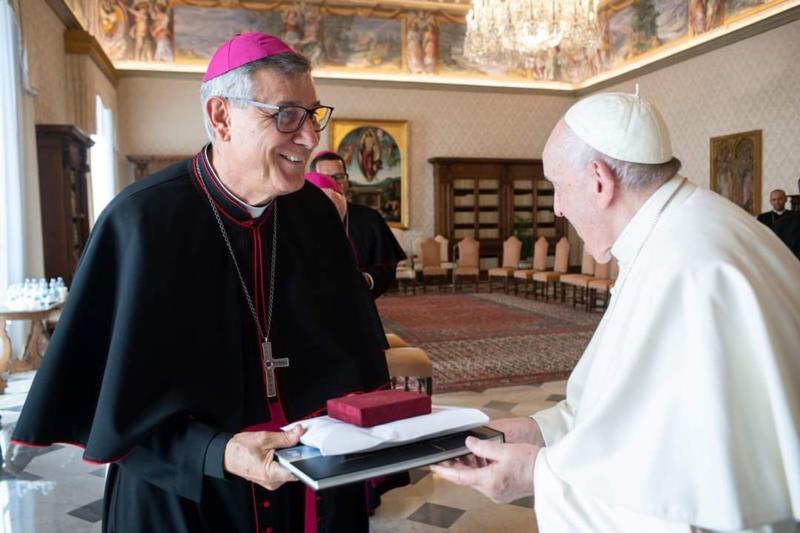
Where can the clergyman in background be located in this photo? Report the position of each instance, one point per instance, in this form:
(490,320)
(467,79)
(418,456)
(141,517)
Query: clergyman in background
(377,250)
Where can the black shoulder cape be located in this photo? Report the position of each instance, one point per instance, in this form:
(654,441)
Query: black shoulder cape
(156,332)
(377,249)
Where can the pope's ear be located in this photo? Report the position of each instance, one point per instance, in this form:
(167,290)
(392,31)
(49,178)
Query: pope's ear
(605,184)
(216,110)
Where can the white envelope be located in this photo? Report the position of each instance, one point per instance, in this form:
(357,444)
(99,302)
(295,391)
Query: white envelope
(334,437)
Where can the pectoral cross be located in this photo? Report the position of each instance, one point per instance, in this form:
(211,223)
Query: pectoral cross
(270,365)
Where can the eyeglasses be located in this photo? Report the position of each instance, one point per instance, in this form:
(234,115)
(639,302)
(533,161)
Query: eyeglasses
(341,176)
(290,118)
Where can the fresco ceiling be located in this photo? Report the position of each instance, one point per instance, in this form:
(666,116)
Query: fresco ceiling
(404,40)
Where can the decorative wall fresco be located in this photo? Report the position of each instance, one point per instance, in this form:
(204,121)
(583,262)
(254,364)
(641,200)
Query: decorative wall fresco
(390,39)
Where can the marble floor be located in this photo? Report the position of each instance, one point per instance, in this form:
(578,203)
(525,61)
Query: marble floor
(52,490)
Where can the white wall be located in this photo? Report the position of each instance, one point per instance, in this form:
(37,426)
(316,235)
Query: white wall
(749,85)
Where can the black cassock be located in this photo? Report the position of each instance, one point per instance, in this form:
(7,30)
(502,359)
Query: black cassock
(788,230)
(377,250)
(156,359)
(771,218)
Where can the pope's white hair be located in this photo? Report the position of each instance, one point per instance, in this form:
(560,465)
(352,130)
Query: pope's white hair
(238,83)
(635,176)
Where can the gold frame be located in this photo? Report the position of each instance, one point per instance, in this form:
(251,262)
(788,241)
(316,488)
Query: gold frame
(729,143)
(398,129)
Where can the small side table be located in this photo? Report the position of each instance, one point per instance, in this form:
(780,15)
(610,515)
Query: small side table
(35,345)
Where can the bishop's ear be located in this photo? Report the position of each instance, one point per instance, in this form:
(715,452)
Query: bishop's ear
(216,110)
(605,184)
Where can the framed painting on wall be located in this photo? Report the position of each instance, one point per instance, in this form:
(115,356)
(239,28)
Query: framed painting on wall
(736,169)
(376,158)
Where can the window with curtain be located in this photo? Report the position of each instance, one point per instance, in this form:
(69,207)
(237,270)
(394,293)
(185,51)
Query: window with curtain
(103,159)
(12,223)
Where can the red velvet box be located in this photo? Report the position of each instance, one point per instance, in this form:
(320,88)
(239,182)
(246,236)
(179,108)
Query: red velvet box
(379,407)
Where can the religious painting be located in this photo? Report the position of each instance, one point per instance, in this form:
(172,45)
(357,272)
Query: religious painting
(642,25)
(705,15)
(376,158)
(736,169)
(738,7)
(363,43)
(422,43)
(302,30)
(110,28)
(451,49)
(132,30)
(452,61)
(199,31)
(398,38)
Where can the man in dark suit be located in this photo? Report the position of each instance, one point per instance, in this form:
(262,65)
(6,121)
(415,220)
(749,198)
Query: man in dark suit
(777,199)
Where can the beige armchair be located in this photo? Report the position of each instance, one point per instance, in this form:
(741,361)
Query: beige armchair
(600,287)
(405,276)
(580,281)
(544,279)
(407,362)
(468,262)
(432,263)
(444,252)
(395,341)
(539,265)
(512,248)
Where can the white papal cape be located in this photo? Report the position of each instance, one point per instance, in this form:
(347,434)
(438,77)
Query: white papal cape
(684,410)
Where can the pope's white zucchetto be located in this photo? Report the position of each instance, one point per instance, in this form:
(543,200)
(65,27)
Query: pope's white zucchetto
(622,126)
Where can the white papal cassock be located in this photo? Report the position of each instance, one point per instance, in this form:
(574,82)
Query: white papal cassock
(684,410)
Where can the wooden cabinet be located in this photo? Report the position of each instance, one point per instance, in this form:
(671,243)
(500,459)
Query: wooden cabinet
(492,199)
(63,154)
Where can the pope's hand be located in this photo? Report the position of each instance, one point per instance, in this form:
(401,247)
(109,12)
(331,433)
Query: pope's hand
(503,472)
(522,430)
(251,456)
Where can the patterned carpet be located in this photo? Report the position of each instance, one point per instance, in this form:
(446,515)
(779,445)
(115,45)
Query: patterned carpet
(477,341)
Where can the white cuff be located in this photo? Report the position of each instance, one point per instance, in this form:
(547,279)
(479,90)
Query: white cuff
(369,280)
(554,422)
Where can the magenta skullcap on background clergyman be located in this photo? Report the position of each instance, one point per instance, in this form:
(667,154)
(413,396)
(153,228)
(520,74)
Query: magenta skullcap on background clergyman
(323,181)
(243,49)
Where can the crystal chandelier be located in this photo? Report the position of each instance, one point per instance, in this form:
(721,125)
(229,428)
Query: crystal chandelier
(512,33)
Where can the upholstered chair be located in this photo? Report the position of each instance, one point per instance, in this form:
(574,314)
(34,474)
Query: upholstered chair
(407,362)
(560,266)
(395,341)
(539,265)
(468,264)
(512,248)
(580,281)
(444,252)
(600,286)
(432,263)
(406,276)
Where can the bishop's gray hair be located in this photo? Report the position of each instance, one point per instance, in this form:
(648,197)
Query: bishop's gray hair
(238,83)
(634,176)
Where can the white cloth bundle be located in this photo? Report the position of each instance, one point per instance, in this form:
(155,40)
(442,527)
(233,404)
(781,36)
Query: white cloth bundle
(334,437)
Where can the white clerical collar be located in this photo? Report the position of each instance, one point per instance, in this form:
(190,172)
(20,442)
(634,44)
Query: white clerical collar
(638,228)
(254,210)
(779,213)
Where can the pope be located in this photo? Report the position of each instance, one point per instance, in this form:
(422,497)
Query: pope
(683,414)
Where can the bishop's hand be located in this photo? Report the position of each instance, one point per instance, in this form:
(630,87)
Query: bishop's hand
(251,455)
(503,472)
